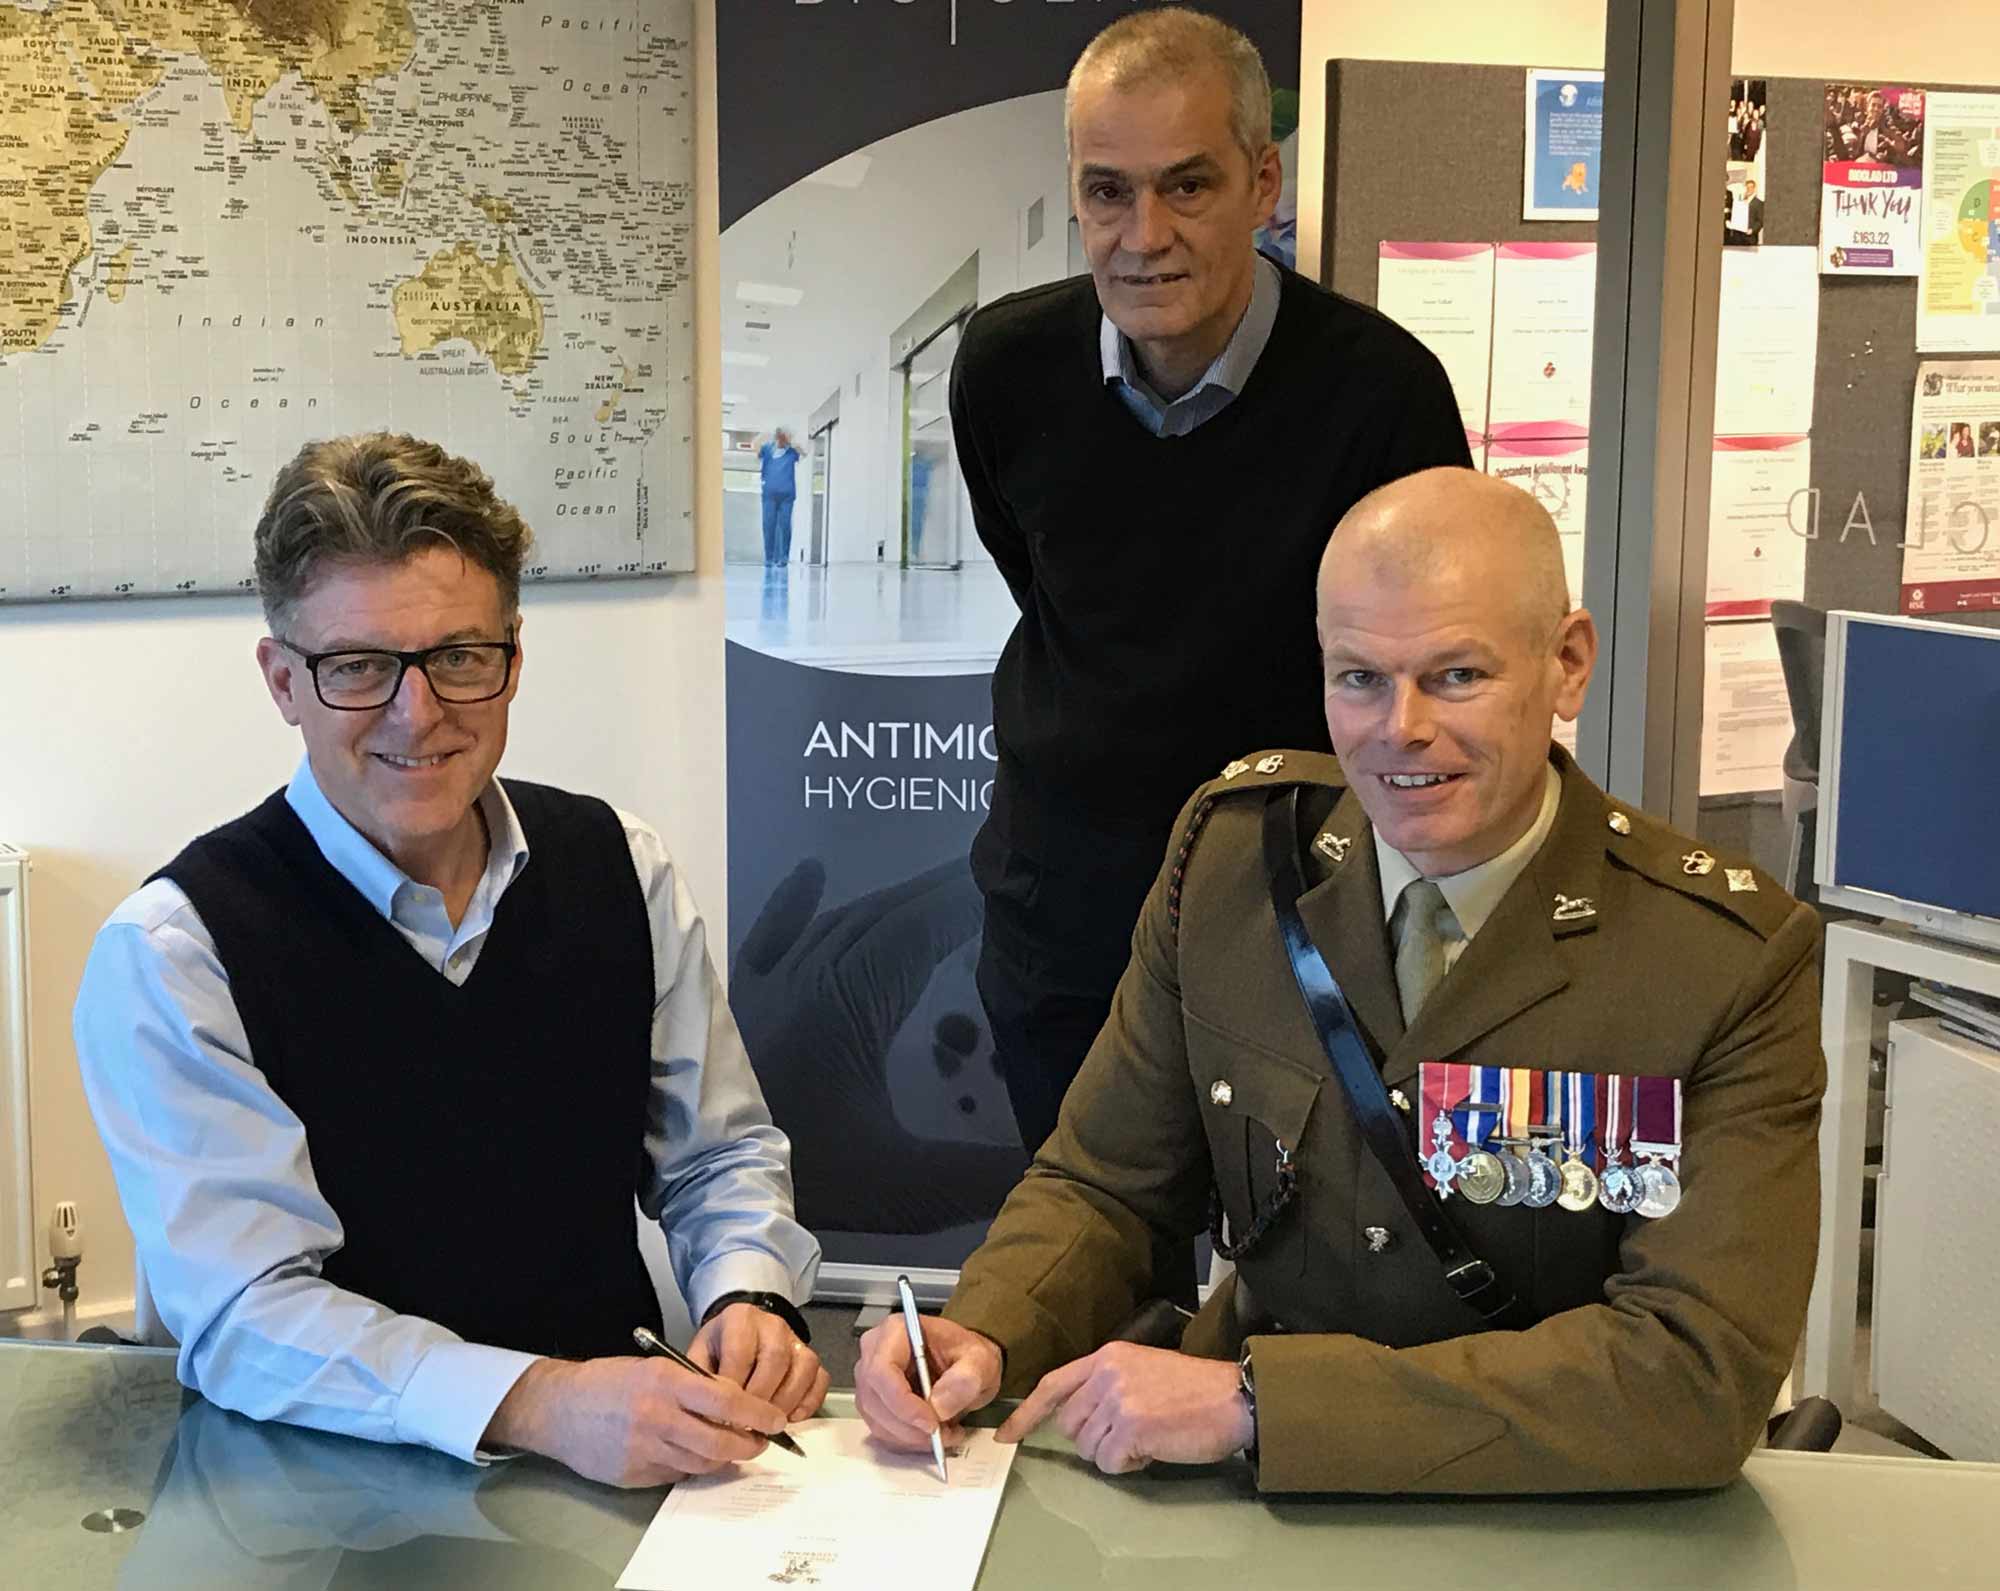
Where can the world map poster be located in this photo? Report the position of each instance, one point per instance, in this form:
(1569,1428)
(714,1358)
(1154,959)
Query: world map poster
(230,228)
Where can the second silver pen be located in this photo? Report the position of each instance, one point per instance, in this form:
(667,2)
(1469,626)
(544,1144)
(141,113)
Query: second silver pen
(913,1324)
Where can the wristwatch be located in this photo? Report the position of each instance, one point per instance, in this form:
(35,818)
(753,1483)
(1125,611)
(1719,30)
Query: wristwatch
(771,1303)
(1246,1383)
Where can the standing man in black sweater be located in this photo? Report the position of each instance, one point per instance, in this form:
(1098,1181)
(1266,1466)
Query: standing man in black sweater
(1155,455)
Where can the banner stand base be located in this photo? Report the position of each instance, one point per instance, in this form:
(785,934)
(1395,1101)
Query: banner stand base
(876,1284)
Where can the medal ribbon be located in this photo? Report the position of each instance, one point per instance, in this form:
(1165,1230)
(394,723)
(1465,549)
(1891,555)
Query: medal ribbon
(1434,1087)
(1520,1098)
(1656,1116)
(1481,1097)
(1580,1118)
(1617,1117)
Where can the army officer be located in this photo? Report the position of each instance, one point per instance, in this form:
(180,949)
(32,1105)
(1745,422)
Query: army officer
(1486,906)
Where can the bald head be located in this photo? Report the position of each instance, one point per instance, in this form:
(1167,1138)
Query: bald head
(1449,647)
(1454,529)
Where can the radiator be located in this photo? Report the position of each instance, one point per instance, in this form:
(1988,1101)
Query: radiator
(18,1276)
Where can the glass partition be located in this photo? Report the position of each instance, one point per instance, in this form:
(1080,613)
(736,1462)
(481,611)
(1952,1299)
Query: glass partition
(1857,416)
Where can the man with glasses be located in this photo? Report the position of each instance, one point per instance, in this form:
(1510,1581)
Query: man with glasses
(382,1065)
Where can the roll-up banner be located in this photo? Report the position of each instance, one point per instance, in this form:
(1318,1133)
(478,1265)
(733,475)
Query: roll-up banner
(887,166)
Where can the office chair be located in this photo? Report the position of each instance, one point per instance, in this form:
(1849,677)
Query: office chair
(1810,1426)
(1800,632)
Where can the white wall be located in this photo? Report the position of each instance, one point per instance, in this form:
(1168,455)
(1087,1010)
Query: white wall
(129,728)
(1946,41)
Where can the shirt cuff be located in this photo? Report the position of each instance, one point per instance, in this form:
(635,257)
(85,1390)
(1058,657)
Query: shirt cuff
(450,1397)
(744,1271)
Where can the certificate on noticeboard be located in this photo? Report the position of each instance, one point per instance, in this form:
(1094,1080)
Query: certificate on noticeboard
(1565,145)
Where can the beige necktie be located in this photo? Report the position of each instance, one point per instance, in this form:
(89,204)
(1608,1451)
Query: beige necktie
(1424,924)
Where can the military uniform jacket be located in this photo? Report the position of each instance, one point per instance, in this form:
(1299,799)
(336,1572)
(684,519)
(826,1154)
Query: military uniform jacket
(1656,1346)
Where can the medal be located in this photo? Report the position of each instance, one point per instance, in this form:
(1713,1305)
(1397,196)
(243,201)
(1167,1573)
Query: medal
(1515,1171)
(1618,1187)
(1439,1162)
(1656,1139)
(1660,1190)
(1545,1180)
(1579,1182)
(1481,1176)
(1440,1165)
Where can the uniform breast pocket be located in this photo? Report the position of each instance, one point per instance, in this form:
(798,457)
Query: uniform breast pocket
(1257,1109)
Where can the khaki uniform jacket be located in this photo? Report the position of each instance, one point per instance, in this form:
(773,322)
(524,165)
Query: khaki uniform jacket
(1658,1345)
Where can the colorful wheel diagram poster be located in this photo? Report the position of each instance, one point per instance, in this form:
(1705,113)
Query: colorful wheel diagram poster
(1958,305)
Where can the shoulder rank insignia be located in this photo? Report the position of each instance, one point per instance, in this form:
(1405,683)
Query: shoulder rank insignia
(1697,864)
(1332,847)
(1270,764)
(1741,880)
(1574,908)
(1234,769)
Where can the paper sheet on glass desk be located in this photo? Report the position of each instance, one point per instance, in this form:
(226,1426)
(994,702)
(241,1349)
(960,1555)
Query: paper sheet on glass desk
(850,1514)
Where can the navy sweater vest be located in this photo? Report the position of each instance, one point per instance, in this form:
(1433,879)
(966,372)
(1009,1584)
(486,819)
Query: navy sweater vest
(481,1145)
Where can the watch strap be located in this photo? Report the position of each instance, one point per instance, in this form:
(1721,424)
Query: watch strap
(771,1303)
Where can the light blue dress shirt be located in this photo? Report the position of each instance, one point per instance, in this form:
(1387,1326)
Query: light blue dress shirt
(231,1228)
(1221,383)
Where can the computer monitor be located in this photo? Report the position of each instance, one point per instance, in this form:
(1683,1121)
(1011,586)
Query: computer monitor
(1909,825)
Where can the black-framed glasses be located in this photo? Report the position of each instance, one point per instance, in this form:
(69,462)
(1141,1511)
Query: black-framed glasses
(460,673)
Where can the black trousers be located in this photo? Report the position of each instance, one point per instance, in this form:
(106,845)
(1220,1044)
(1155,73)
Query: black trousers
(1057,939)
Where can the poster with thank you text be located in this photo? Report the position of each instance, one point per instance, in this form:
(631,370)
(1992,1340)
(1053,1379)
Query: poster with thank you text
(886,169)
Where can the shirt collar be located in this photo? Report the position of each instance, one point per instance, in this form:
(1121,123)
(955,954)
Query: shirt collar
(1475,893)
(1230,369)
(354,857)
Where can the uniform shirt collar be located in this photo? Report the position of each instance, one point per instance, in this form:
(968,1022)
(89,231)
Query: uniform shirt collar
(1230,369)
(1474,893)
(354,857)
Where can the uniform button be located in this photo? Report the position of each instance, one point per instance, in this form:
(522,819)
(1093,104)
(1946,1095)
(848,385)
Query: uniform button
(1620,824)
(1219,1092)
(1380,1239)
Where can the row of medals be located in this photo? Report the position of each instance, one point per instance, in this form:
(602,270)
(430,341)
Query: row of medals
(1528,1174)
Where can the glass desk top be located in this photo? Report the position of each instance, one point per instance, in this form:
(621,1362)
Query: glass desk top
(231,1503)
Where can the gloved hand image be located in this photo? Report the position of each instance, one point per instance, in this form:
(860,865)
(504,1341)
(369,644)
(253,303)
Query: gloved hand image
(823,999)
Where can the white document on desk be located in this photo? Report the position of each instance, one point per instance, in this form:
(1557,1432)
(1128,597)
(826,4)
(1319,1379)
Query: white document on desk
(850,1514)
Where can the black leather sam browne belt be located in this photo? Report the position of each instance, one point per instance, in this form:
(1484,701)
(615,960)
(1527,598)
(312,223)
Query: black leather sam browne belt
(1470,1277)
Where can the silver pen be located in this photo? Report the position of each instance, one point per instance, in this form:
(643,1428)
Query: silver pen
(912,1325)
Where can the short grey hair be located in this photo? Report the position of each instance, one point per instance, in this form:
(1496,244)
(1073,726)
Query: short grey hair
(1167,43)
(380,498)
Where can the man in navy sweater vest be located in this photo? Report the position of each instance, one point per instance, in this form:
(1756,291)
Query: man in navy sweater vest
(1155,454)
(383,1065)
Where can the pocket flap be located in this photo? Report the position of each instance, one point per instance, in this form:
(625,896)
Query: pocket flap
(1234,1077)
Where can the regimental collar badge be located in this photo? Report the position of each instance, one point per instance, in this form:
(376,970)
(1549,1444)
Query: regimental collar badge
(1333,847)
(1574,908)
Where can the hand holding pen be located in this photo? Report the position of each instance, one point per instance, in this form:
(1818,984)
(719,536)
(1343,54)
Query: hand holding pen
(666,1350)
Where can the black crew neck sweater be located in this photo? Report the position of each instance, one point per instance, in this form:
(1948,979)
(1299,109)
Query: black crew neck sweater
(1166,584)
